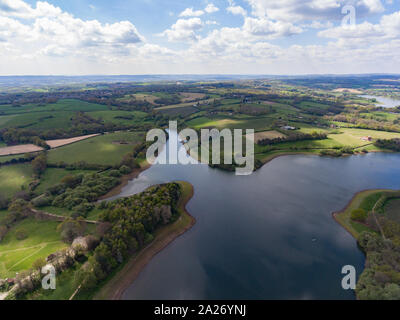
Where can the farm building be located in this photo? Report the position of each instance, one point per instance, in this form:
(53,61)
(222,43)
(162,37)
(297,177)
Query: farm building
(369,138)
(288,128)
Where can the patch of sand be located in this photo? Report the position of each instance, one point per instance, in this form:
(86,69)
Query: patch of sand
(189,96)
(348,90)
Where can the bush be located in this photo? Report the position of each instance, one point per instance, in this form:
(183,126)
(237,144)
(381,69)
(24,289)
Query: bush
(125,170)
(42,201)
(21,234)
(114,173)
(359,215)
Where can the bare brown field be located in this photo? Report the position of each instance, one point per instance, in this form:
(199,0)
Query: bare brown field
(146,97)
(20,149)
(188,96)
(269,103)
(268,135)
(63,142)
(348,90)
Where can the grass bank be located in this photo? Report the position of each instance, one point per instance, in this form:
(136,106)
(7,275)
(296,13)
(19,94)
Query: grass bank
(343,217)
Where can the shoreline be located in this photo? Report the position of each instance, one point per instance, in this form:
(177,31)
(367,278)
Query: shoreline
(124,278)
(124,182)
(342,216)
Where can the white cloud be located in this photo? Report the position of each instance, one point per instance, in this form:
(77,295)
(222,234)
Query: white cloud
(265,27)
(211,8)
(388,27)
(189,12)
(236,10)
(211,22)
(183,30)
(303,10)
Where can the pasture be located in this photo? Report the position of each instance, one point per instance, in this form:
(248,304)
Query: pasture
(107,149)
(272,134)
(14,177)
(18,255)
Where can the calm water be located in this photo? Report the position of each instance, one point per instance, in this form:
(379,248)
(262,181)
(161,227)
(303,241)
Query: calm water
(384,101)
(254,235)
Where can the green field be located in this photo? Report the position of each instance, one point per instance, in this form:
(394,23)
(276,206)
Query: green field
(120,117)
(18,255)
(53,176)
(14,177)
(105,149)
(49,116)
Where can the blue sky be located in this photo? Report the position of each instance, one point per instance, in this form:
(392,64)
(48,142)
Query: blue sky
(206,36)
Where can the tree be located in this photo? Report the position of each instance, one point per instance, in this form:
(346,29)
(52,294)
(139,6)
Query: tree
(359,215)
(39,264)
(39,164)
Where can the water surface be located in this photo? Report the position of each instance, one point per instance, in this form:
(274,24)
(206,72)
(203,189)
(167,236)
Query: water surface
(384,101)
(269,235)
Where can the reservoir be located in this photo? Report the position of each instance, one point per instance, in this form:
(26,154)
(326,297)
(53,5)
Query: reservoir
(269,235)
(384,101)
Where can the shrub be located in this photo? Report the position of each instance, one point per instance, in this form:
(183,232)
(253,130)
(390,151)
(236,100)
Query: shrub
(359,215)
(125,169)
(21,234)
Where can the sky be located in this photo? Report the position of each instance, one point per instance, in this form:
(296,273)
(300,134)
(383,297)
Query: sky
(285,37)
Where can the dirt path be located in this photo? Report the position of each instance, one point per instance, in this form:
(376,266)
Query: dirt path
(55,217)
(376,219)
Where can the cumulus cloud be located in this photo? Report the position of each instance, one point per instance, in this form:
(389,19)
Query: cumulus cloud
(189,12)
(236,10)
(211,8)
(183,30)
(388,27)
(265,27)
(47,30)
(302,10)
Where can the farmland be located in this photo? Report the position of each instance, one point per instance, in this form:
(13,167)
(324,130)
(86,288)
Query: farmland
(88,143)
(14,178)
(18,255)
(107,149)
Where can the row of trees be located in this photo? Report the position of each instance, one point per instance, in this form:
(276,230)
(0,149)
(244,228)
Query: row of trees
(133,221)
(298,136)
(391,144)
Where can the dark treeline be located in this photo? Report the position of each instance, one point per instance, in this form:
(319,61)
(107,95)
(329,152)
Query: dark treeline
(392,144)
(134,221)
(108,96)
(298,136)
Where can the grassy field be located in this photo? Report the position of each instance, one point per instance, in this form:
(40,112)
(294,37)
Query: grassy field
(49,116)
(118,116)
(14,177)
(18,255)
(106,149)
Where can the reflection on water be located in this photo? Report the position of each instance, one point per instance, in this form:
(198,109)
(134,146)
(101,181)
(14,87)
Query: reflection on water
(269,235)
(384,101)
